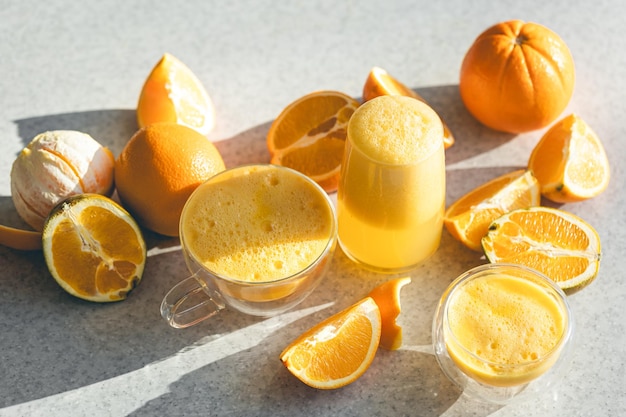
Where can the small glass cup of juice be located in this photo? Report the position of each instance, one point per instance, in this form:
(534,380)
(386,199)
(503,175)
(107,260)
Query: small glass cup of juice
(256,238)
(502,332)
(391,195)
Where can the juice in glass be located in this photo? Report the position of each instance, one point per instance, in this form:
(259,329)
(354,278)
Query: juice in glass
(257,238)
(257,223)
(503,327)
(391,195)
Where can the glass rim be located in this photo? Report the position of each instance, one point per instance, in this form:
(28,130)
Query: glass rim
(554,289)
(331,241)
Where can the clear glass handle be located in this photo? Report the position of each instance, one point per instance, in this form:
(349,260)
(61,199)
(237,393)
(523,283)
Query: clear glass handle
(189,302)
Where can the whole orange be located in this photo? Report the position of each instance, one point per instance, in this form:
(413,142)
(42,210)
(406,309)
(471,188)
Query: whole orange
(159,168)
(517,77)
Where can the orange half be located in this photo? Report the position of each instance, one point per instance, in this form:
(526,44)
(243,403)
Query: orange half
(309,136)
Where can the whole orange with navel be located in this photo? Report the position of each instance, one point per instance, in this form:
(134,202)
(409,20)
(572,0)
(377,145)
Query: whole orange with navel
(517,76)
(159,168)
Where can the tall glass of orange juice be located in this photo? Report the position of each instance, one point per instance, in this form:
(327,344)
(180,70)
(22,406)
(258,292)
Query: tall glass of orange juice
(391,195)
(502,332)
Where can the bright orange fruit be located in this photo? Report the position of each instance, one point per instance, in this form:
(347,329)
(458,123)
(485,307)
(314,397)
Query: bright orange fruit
(387,296)
(309,136)
(570,162)
(517,77)
(379,82)
(337,351)
(159,168)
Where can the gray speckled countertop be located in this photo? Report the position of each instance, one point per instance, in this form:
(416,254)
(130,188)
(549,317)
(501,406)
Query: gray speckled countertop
(81,65)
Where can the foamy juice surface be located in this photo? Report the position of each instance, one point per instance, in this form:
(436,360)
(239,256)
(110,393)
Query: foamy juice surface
(257,223)
(503,330)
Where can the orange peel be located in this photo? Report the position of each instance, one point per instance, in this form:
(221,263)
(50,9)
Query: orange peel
(387,297)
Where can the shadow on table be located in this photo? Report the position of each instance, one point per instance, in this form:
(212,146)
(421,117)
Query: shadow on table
(111,128)
(401,382)
(54,343)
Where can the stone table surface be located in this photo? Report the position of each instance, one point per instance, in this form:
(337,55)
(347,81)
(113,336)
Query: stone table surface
(81,65)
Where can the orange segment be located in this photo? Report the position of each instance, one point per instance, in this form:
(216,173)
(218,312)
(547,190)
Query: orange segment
(387,297)
(172,93)
(468,218)
(570,162)
(559,244)
(379,83)
(337,351)
(93,248)
(309,135)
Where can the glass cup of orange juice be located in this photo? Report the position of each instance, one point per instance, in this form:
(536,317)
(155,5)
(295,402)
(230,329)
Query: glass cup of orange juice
(503,332)
(391,193)
(257,238)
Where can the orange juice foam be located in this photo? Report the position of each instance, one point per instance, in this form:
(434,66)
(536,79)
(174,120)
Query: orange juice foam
(391,196)
(258,223)
(504,329)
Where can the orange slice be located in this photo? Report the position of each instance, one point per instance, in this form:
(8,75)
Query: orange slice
(387,297)
(557,243)
(309,136)
(93,248)
(468,218)
(172,93)
(19,239)
(337,351)
(379,82)
(570,162)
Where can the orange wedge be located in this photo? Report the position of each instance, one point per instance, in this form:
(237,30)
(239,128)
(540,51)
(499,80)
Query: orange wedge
(172,93)
(337,351)
(379,82)
(93,248)
(387,297)
(570,162)
(557,243)
(468,218)
(309,136)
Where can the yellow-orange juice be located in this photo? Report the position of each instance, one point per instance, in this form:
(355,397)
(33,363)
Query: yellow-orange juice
(504,330)
(391,194)
(257,223)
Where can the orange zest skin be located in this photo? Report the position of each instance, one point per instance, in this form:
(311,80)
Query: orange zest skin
(517,77)
(159,168)
(20,239)
(387,296)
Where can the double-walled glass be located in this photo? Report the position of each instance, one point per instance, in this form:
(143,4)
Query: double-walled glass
(257,238)
(503,332)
